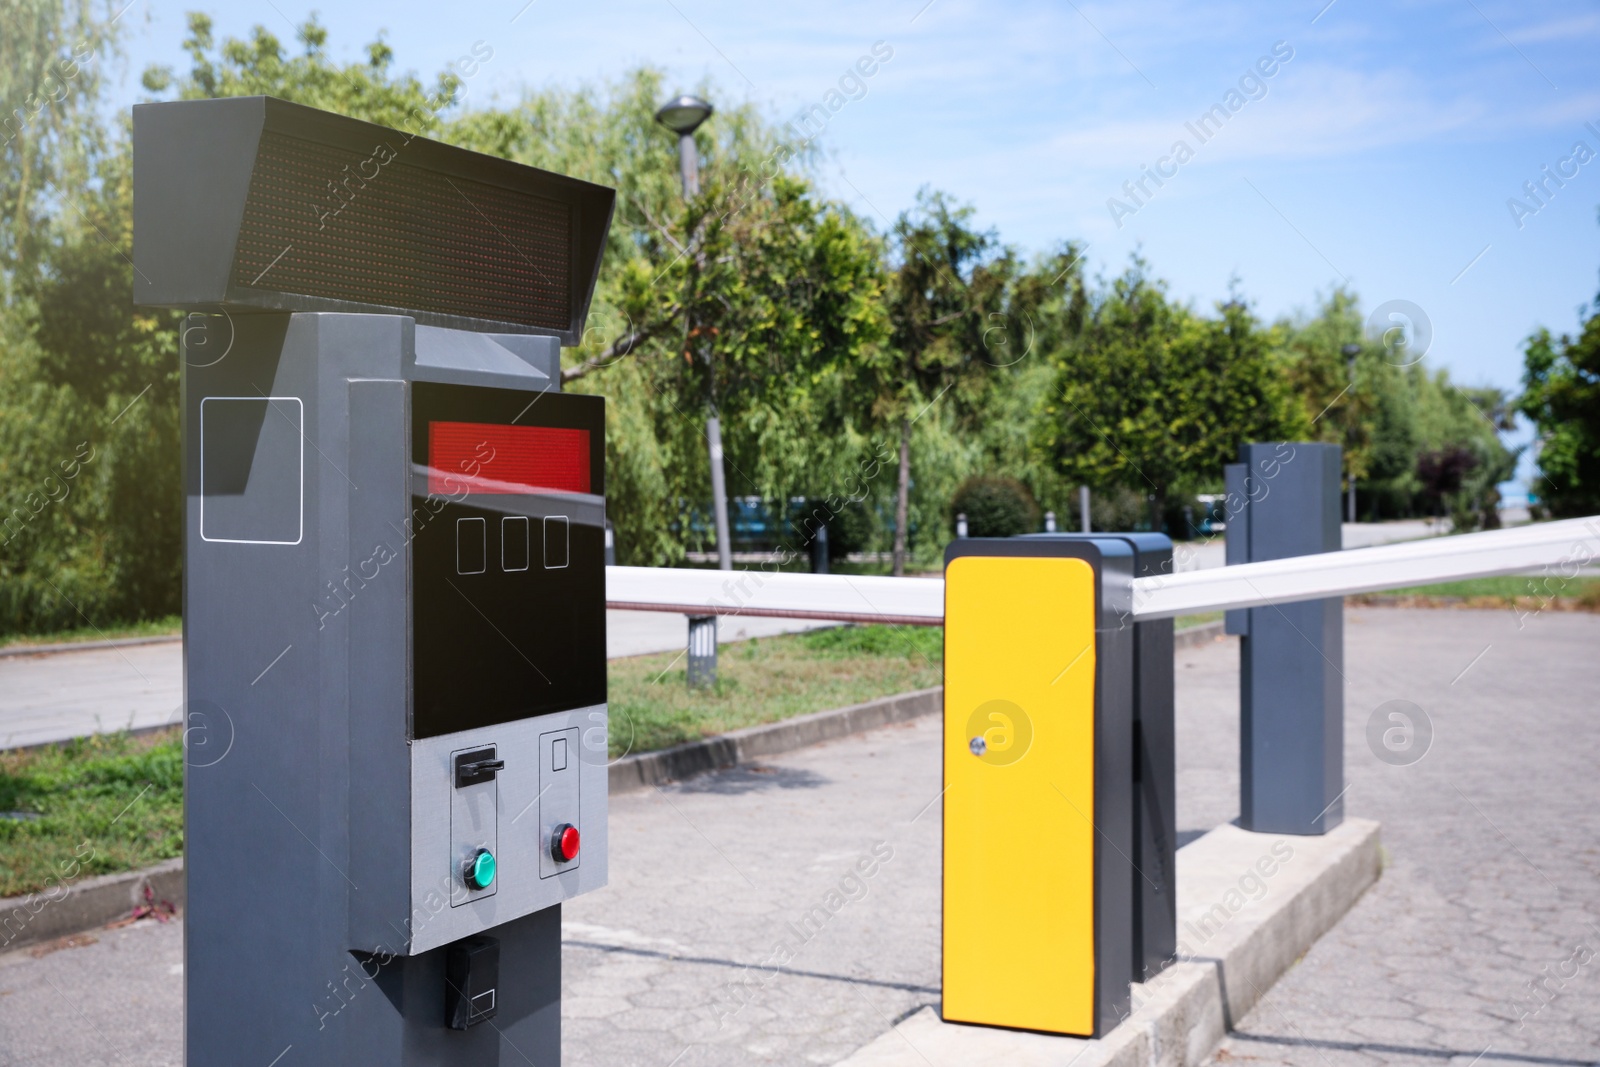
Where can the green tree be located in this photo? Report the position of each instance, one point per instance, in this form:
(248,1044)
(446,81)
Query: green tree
(1414,441)
(1561,396)
(1346,399)
(1390,482)
(119,366)
(261,67)
(1153,397)
(996,507)
(945,282)
(1470,421)
(77,422)
(755,297)
(52,54)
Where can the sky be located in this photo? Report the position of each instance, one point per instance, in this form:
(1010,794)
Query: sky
(1374,145)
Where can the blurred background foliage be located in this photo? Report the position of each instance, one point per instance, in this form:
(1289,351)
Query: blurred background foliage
(864,369)
(995,507)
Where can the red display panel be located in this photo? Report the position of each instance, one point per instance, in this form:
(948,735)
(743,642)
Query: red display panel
(485,457)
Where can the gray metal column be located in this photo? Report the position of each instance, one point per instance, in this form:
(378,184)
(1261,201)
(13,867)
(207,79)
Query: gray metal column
(1283,500)
(719,495)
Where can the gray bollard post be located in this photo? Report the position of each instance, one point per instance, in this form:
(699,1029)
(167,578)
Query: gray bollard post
(702,669)
(1283,500)
(819,550)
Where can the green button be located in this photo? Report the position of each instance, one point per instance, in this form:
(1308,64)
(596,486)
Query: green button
(480,871)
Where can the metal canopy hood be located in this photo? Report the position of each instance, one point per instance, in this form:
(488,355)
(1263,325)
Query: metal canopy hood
(254,203)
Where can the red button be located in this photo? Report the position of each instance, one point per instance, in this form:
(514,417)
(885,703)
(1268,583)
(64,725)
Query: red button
(565,843)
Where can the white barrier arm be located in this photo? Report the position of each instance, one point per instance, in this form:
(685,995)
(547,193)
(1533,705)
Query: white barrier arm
(845,597)
(1565,545)
(1561,546)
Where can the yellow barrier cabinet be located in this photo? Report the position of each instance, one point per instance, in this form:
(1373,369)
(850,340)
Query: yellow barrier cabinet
(1038,756)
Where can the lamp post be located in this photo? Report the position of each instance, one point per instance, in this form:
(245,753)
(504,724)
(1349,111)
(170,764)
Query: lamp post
(683,115)
(1350,351)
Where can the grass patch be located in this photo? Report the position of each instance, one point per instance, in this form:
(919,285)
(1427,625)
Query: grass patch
(766,680)
(1508,586)
(169,625)
(1188,622)
(1536,592)
(91,806)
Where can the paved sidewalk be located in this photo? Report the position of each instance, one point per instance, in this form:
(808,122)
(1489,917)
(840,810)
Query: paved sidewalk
(1482,939)
(664,967)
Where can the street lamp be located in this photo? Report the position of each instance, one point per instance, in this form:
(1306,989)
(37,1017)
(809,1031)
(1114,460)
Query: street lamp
(1351,351)
(683,116)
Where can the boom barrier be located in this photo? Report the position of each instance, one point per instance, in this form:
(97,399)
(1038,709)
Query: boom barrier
(1560,548)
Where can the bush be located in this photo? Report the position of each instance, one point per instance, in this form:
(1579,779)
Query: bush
(853,529)
(996,507)
(852,525)
(1118,510)
(1183,525)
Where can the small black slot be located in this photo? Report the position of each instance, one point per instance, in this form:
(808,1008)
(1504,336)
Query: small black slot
(479,765)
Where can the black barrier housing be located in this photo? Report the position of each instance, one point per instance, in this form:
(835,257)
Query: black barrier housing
(1155,831)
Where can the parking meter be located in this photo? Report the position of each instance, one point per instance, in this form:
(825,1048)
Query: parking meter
(394,608)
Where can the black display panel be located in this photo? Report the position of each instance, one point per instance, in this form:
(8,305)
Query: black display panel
(253,202)
(366,225)
(507,555)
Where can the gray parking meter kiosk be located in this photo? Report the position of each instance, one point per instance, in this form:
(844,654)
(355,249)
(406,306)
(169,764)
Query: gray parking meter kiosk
(394,598)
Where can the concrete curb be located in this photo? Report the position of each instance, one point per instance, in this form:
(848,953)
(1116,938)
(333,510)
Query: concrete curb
(1239,930)
(1194,636)
(647,769)
(135,731)
(93,902)
(88,646)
